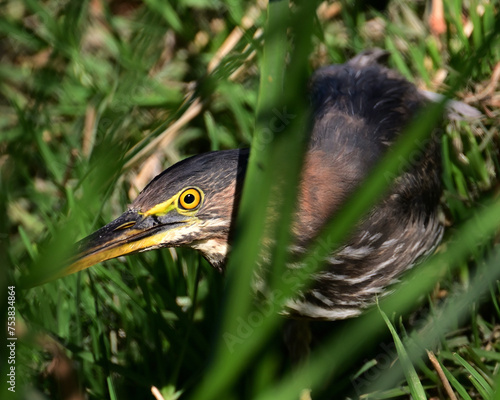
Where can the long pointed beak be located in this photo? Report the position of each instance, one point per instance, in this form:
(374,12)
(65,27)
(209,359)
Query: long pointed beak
(130,233)
(125,235)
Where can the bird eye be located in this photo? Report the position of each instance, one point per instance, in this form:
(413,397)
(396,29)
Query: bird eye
(190,199)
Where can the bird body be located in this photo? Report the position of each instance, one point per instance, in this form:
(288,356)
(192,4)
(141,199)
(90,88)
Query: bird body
(358,110)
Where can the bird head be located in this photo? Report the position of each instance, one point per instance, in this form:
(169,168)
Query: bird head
(190,204)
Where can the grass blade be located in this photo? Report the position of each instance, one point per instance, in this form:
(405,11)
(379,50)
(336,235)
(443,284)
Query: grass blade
(416,389)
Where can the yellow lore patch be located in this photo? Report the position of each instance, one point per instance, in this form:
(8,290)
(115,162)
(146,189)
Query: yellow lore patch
(186,202)
(162,208)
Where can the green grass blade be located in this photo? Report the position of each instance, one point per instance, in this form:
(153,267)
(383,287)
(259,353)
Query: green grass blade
(476,378)
(416,389)
(455,383)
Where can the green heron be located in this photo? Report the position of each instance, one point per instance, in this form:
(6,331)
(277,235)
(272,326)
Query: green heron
(358,109)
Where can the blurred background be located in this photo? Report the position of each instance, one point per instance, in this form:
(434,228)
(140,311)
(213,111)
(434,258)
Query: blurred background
(98,97)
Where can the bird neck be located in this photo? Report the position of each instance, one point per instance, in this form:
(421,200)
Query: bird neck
(214,250)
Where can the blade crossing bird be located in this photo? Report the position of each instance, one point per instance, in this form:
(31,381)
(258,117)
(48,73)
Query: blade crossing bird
(359,108)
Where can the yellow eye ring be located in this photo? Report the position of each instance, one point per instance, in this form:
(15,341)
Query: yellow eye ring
(190,199)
